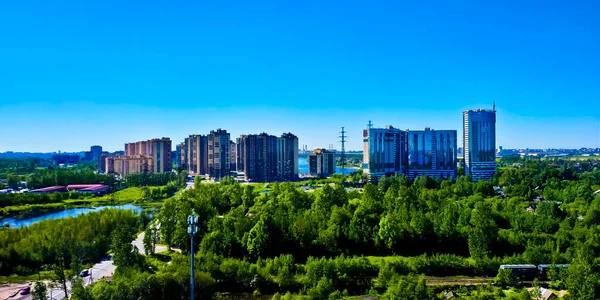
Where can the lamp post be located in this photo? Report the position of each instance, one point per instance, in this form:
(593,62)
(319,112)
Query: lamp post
(192,229)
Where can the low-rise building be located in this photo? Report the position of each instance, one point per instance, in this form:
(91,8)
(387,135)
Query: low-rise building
(49,190)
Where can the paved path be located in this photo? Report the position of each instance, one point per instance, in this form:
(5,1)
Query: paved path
(139,243)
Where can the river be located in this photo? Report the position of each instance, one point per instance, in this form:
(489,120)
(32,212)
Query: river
(18,223)
(303,166)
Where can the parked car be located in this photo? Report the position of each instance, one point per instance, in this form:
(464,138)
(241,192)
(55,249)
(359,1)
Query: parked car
(84,273)
(25,291)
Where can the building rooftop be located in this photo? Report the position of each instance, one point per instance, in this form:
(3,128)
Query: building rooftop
(480,110)
(50,189)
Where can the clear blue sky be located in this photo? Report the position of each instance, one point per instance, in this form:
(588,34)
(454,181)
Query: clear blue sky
(78,73)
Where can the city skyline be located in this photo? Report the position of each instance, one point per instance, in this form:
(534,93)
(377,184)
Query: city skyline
(103,73)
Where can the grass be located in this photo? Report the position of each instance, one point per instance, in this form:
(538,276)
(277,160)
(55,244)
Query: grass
(130,194)
(43,275)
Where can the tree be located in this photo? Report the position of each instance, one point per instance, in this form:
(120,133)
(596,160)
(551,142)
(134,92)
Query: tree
(322,290)
(505,278)
(124,253)
(78,291)
(12,181)
(168,222)
(582,281)
(258,238)
(408,288)
(39,291)
(150,240)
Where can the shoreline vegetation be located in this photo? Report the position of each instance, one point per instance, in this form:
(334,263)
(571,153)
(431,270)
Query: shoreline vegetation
(133,195)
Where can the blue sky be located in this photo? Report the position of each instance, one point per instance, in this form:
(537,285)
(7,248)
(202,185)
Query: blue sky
(78,73)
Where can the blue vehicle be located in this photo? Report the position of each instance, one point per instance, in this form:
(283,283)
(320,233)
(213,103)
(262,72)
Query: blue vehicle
(529,272)
(543,269)
(84,273)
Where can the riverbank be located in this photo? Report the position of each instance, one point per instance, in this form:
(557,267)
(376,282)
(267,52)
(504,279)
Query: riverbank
(125,196)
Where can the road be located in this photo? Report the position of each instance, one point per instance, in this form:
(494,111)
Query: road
(139,243)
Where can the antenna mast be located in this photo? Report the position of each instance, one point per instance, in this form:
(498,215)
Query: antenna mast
(343,156)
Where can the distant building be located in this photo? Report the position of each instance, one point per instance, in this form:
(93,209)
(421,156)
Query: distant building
(239,159)
(102,163)
(384,152)
(87,156)
(182,155)
(161,155)
(432,153)
(196,154)
(126,165)
(63,158)
(154,155)
(233,156)
(321,163)
(95,151)
(479,143)
(287,150)
(218,154)
(259,157)
(178,149)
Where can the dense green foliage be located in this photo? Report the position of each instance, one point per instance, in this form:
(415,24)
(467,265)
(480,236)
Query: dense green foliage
(335,241)
(84,239)
(64,176)
(465,228)
(144,179)
(17,166)
(25,199)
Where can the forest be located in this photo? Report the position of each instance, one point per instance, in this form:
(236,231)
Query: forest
(386,240)
(390,238)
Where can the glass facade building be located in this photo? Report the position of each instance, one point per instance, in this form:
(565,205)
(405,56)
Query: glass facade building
(479,143)
(384,152)
(432,153)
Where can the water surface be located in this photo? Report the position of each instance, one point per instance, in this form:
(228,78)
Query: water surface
(73,212)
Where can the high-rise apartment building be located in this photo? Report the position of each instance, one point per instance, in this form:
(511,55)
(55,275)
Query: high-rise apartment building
(432,153)
(102,163)
(233,156)
(259,157)
(160,153)
(218,154)
(321,163)
(239,159)
(126,165)
(385,152)
(178,149)
(479,143)
(288,156)
(196,154)
(140,157)
(182,155)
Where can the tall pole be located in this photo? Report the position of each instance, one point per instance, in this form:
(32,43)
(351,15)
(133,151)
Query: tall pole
(343,156)
(192,276)
(192,229)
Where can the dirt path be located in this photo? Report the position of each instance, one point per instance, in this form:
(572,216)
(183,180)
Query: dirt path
(457,280)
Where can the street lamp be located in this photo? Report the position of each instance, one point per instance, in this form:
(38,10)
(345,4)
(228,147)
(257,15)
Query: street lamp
(192,229)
